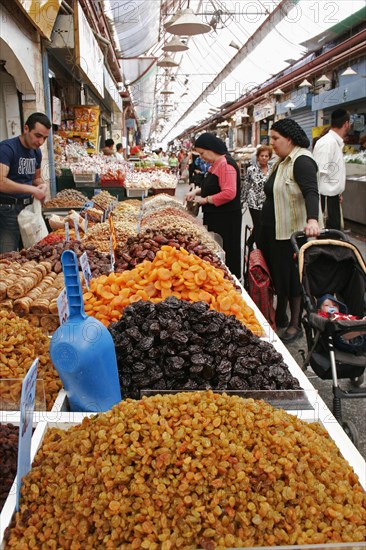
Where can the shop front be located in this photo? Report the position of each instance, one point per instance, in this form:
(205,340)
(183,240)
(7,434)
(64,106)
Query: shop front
(263,115)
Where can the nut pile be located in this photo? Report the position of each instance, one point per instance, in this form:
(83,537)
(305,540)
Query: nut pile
(99,235)
(67,199)
(160,201)
(20,344)
(104,199)
(173,272)
(145,246)
(191,470)
(8,459)
(175,345)
(187,226)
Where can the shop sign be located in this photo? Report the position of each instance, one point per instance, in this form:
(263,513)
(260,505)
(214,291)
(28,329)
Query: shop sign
(42,13)
(263,110)
(88,54)
(112,90)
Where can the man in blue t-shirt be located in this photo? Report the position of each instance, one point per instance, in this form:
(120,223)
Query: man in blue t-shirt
(20,177)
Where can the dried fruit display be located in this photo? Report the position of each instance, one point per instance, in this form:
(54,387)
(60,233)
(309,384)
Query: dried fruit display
(191,470)
(99,262)
(173,272)
(184,225)
(67,199)
(176,345)
(8,459)
(20,344)
(99,235)
(145,246)
(104,199)
(160,201)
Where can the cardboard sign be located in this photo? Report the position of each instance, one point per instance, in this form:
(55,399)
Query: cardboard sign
(63,306)
(67,231)
(25,428)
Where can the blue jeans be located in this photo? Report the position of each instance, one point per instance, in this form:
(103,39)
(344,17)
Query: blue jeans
(9,228)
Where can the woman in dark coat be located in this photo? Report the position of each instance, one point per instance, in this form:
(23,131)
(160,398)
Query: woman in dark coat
(292,204)
(220,197)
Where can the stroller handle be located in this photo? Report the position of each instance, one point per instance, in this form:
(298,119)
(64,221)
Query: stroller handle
(329,233)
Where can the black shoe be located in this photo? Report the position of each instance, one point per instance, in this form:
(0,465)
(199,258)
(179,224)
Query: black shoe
(288,337)
(282,322)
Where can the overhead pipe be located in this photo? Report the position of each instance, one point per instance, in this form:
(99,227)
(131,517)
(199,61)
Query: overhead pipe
(354,46)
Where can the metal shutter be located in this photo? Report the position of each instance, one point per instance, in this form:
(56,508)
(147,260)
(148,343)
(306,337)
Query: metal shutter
(306,119)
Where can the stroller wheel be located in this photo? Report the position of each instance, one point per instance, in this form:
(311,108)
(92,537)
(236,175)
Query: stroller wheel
(357,382)
(351,430)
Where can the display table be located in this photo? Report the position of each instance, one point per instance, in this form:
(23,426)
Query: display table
(354,199)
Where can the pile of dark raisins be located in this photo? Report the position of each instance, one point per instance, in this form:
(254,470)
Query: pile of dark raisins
(177,345)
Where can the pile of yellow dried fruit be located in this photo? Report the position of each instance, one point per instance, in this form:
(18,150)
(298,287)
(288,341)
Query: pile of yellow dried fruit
(173,272)
(191,470)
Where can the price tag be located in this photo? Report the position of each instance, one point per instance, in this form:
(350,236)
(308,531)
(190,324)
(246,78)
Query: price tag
(111,251)
(25,428)
(62,306)
(85,267)
(87,205)
(86,223)
(67,231)
(112,231)
(76,226)
(97,191)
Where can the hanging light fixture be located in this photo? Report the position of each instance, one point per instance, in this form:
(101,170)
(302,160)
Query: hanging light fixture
(349,71)
(244,113)
(278,92)
(172,20)
(188,24)
(323,79)
(290,105)
(175,45)
(304,83)
(166,92)
(167,61)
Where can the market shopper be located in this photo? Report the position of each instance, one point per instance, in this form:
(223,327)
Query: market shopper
(328,153)
(254,180)
(20,177)
(119,152)
(220,197)
(292,204)
(108,148)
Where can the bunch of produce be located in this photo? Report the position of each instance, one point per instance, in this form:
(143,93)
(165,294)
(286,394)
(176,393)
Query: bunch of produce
(137,180)
(176,345)
(173,272)
(115,170)
(8,459)
(104,199)
(67,198)
(161,201)
(20,344)
(99,235)
(191,470)
(162,180)
(145,246)
(99,262)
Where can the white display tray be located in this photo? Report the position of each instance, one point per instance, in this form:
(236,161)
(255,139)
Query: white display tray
(66,420)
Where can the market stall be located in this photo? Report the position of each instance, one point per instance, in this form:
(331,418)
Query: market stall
(180,321)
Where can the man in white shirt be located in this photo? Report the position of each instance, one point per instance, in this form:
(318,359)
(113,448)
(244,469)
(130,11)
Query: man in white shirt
(119,152)
(328,153)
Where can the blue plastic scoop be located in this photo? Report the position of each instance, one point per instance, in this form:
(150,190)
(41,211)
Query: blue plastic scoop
(83,352)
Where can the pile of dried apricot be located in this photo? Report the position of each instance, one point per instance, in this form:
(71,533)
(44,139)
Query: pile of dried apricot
(173,272)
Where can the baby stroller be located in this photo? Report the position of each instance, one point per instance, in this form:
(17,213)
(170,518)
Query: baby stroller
(331,264)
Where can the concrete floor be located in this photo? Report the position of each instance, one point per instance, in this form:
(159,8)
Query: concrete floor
(354,410)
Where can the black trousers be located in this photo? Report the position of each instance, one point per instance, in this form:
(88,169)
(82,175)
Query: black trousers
(332,206)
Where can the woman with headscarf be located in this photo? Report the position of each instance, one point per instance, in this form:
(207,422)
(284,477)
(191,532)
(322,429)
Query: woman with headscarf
(291,204)
(220,197)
